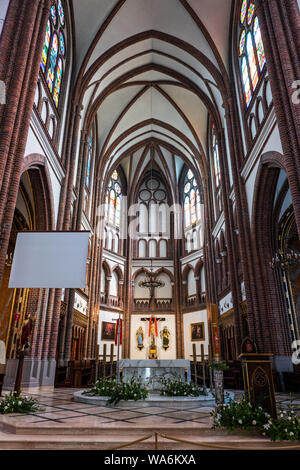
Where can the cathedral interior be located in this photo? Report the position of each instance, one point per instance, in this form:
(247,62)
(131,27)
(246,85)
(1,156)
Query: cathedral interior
(169,130)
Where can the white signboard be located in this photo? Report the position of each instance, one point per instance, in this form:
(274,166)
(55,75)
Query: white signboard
(50,260)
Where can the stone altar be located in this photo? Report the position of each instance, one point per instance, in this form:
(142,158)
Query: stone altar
(150,370)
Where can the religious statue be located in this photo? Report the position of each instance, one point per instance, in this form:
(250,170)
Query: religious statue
(153,334)
(26,332)
(165,335)
(140,338)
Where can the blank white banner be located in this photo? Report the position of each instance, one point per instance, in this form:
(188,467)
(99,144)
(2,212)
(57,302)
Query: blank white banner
(50,260)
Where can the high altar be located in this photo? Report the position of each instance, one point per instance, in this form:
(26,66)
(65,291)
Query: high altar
(150,370)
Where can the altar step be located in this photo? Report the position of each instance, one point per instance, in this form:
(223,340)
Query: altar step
(79,437)
(109,442)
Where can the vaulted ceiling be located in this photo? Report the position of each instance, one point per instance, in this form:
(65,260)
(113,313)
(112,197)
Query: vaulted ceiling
(152,70)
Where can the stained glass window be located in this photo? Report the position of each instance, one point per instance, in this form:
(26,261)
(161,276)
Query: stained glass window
(259,44)
(54,50)
(246,81)
(53,14)
(113,200)
(244,10)
(61,12)
(251,50)
(89,162)
(52,62)
(46,46)
(192,201)
(250,13)
(242,42)
(62,48)
(216,157)
(252,61)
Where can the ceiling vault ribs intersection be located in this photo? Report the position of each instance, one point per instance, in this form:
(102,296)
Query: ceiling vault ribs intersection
(152,73)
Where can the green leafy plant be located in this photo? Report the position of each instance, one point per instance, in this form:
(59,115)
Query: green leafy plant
(243,415)
(131,390)
(14,402)
(219,366)
(177,387)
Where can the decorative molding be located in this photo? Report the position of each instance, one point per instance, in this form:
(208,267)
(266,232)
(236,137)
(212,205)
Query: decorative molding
(218,225)
(259,144)
(47,147)
(194,256)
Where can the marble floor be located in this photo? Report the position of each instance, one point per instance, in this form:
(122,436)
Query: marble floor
(57,406)
(62,423)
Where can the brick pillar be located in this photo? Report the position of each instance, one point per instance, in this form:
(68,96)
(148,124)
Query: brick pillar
(280,27)
(20,52)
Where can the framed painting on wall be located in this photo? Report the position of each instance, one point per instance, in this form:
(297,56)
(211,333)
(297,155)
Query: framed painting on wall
(108,331)
(197,332)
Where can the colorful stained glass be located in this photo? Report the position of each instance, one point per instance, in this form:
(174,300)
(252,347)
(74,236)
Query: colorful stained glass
(88,167)
(62,48)
(115,175)
(198,203)
(259,44)
(187,187)
(246,82)
(217,171)
(187,215)
(191,200)
(61,12)
(242,42)
(46,47)
(118,212)
(58,79)
(52,62)
(190,174)
(112,206)
(252,61)
(250,13)
(193,206)
(244,10)
(53,14)
(113,200)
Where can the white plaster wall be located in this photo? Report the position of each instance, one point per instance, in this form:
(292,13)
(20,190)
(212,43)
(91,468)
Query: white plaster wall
(164,292)
(136,322)
(102,282)
(80,303)
(192,288)
(188,319)
(108,317)
(114,284)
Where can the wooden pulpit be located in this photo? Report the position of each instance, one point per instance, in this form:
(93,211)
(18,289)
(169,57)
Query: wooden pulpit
(258,380)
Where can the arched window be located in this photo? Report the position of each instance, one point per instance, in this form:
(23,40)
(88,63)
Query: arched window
(216,157)
(191,200)
(89,163)
(251,50)
(113,200)
(54,50)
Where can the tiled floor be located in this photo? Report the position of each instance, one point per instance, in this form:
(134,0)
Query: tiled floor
(57,406)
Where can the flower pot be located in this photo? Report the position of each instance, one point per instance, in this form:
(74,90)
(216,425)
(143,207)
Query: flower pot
(219,386)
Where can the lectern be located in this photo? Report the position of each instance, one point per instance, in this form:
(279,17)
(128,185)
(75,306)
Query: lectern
(258,380)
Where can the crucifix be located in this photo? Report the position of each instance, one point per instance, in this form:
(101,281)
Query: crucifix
(153,333)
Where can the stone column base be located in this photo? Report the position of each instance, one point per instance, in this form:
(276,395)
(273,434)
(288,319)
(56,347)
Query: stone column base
(37,373)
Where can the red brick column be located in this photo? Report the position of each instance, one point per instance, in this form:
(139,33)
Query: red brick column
(280,28)
(20,52)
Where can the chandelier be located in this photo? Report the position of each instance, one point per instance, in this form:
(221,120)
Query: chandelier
(284,260)
(150,282)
